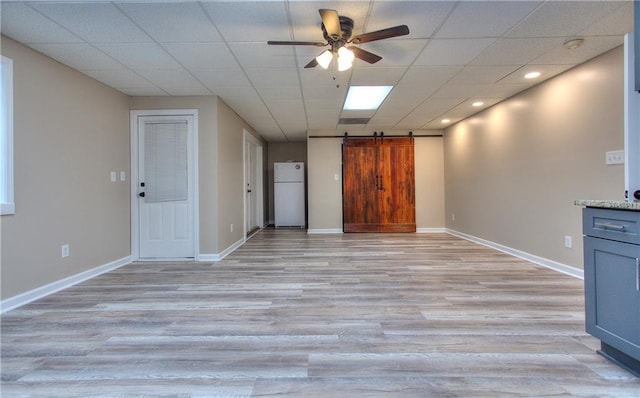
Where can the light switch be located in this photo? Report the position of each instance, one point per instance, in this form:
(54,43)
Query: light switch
(336,177)
(123,176)
(113,176)
(615,157)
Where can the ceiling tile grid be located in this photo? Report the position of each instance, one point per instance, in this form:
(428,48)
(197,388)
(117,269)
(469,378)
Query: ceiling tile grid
(456,51)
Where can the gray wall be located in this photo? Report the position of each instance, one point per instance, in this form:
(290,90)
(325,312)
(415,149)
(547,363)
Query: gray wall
(513,171)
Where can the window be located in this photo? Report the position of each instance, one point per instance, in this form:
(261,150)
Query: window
(6,137)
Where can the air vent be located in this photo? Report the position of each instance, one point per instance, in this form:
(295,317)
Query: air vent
(354,120)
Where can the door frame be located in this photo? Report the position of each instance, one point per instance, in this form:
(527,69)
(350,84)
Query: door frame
(249,138)
(133,176)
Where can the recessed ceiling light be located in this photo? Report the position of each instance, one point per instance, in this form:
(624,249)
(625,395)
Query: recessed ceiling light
(532,75)
(445,120)
(478,103)
(366,97)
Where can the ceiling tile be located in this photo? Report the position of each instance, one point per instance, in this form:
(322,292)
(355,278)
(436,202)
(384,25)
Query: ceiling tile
(249,21)
(483,74)
(140,55)
(172,22)
(373,76)
(484,18)
(591,47)
(273,77)
(216,78)
(175,82)
(261,55)
(563,18)
(95,22)
(280,93)
(144,92)
(422,17)
(515,51)
(120,78)
(199,55)
(80,55)
(452,51)
(29,26)
(424,80)
(394,52)
(618,22)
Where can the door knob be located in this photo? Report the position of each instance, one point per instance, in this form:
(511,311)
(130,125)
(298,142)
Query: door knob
(141,194)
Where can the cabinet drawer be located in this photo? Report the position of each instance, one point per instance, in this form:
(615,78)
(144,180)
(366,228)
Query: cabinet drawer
(619,225)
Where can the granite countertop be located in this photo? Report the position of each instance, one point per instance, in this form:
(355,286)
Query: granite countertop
(609,204)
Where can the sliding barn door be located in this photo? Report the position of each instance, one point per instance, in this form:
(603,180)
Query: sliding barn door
(360,203)
(378,185)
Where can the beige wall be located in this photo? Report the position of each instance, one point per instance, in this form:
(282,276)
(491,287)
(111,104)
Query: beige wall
(325,192)
(513,171)
(282,152)
(207,167)
(220,158)
(70,132)
(231,188)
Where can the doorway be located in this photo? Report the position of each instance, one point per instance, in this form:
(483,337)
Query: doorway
(164,207)
(253,185)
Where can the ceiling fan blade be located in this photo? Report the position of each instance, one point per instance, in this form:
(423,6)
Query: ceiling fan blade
(312,64)
(364,55)
(399,30)
(296,43)
(331,22)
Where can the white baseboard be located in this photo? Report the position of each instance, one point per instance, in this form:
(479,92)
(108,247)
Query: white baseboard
(431,230)
(220,256)
(324,231)
(545,262)
(32,295)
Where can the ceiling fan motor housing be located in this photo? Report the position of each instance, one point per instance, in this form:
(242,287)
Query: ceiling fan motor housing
(346,29)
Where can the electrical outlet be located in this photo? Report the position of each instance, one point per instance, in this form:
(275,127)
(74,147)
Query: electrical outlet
(568,242)
(64,251)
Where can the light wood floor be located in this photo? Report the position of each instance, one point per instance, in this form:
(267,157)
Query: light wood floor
(291,314)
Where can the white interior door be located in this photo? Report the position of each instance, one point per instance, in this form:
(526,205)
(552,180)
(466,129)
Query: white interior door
(250,186)
(166,187)
(253,183)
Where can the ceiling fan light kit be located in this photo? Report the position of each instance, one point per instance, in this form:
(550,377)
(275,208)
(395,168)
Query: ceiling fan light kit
(337,30)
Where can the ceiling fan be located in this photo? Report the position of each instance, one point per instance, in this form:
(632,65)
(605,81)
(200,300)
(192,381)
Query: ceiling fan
(337,30)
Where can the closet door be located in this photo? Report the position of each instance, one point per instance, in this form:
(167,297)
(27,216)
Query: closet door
(360,196)
(397,208)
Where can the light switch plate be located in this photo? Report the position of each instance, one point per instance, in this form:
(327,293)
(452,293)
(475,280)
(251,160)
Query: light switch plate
(615,157)
(113,176)
(123,176)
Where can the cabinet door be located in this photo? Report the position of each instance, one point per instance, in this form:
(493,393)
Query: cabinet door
(612,296)
(396,168)
(360,202)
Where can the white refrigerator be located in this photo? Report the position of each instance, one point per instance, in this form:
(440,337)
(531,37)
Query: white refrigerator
(288,192)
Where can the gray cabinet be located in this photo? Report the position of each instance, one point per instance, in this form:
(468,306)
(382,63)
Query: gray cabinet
(612,283)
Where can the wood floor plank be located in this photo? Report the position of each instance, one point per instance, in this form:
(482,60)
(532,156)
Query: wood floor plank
(291,314)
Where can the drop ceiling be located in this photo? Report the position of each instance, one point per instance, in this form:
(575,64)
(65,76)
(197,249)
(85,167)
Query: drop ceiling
(457,52)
